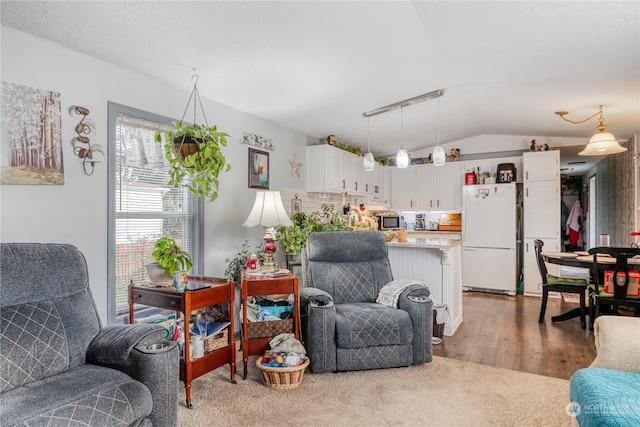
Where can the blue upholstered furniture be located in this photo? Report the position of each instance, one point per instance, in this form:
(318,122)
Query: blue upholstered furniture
(607,393)
(58,366)
(343,327)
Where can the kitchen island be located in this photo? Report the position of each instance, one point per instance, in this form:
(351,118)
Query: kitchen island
(437,262)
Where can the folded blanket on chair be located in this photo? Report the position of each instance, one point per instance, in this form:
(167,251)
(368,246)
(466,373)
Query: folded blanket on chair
(390,292)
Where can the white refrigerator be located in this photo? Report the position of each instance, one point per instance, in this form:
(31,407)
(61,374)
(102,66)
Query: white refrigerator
(489,256)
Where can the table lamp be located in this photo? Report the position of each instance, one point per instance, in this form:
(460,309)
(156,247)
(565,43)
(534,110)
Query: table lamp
(268,211)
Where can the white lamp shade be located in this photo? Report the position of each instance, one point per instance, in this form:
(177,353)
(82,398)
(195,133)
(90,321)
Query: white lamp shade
(438,155)
(369,162)
(402,158)
(602,143)
(268,211)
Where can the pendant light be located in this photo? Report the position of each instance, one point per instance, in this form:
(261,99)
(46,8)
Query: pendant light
(600,144)
(369,162)
(438,151)
(402,158)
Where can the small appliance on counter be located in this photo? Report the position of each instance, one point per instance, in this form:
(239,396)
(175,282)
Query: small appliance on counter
(420,222)
(433,225)
(450,222)
(506,173)
(389,222)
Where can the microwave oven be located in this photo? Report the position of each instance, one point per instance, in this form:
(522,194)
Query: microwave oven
(389,222)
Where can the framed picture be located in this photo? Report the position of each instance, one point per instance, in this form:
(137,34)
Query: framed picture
(258,169)
(296,206)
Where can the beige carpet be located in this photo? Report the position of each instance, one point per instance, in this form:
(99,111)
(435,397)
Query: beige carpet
(445,392)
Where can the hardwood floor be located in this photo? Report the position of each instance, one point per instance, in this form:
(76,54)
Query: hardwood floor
(504,332)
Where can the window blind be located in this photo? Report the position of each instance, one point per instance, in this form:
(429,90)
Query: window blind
(146,207)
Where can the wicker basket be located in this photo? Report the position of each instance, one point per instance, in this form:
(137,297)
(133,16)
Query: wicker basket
(269,328)
(217,341)
(282,378)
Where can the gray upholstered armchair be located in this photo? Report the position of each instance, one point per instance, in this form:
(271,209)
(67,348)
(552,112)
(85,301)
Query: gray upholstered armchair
(59,366)
(343,327)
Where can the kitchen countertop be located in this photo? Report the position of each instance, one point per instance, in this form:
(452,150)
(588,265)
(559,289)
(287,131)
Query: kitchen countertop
(426,243)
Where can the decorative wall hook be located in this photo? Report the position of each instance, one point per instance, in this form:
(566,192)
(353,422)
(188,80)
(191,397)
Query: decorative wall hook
(257,141)
(81,144)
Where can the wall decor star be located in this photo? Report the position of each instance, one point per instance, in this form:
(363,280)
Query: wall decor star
(295,166)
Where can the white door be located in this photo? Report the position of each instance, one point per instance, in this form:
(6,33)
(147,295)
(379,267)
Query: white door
(541,209)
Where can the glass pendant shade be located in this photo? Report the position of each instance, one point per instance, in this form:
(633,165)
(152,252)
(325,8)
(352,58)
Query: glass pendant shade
(402,158)
(438,155)
(369,162)
(602,143)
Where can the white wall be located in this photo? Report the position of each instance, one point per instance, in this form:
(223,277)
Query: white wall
(76,212)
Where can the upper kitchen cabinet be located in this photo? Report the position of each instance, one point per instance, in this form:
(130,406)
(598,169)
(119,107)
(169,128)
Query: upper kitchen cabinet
(403,188)
(325,169)
(541,165)
(332,170)
(427,187)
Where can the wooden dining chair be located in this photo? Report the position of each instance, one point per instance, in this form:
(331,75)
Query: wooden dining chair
(551,283)
(620,279)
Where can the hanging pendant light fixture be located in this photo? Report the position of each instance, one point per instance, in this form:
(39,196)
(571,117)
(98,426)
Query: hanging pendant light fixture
(369,162)
(438,152)
(600,144)
(402,158)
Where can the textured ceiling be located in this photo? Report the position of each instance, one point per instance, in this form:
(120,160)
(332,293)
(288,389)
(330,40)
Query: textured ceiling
(317,66)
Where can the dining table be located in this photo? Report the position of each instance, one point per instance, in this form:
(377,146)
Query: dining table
(582,259)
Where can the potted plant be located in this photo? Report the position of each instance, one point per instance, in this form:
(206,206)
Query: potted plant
(235,264)
(168,258)
(293,238)
(195,157)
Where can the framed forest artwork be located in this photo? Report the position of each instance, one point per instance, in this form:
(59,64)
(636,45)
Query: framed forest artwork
(31,136)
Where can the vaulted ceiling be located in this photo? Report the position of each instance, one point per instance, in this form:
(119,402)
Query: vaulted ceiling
(315,67)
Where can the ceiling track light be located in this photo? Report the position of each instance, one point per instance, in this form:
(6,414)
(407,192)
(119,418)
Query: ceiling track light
(602,143)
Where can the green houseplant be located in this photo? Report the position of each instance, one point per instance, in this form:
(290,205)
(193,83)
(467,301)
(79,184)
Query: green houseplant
(168,254)
(235,264)
(293,238)
(195,157)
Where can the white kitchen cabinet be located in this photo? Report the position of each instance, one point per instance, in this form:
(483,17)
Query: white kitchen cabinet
(375,183)
(439,188)
(531,274)
(448,187)
(324,169)
(541,212)
(542,209)
(403,188)
(541,165)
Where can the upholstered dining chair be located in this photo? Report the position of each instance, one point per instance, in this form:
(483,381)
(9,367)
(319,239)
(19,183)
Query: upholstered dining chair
(551,283)
(348,323)
(621,281)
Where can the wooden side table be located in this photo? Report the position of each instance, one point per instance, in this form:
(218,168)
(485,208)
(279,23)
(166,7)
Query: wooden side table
(214,291)
(255,285)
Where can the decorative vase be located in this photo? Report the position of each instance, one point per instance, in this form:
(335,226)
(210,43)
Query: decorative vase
(180,280)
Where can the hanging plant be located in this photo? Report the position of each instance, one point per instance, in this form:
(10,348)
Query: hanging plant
(194,153)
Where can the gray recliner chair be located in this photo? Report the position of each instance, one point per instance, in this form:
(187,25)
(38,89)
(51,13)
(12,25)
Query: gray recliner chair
(58,366)
(343,327)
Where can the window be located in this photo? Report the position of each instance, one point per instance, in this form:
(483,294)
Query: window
(142,206)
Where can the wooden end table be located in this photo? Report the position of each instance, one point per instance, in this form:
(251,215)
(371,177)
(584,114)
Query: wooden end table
(213,291)
(255,285)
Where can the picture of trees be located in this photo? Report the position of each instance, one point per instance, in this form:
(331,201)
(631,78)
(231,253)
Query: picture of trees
(31,137)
